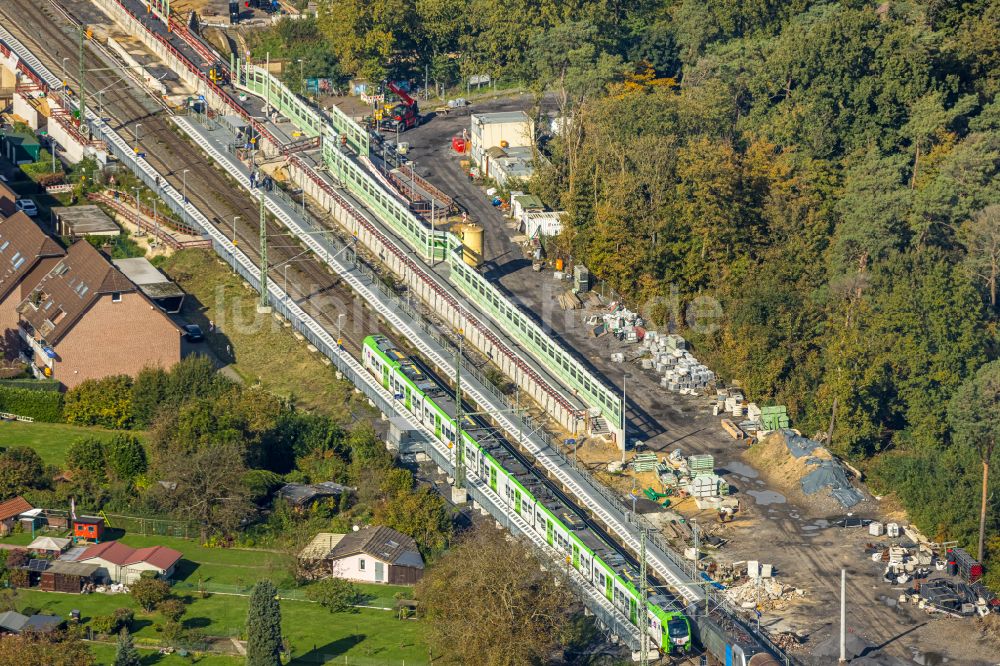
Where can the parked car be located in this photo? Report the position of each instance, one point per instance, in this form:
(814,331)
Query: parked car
(27,206)
(193,333)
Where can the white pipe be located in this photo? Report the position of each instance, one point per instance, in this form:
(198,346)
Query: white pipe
(843,616)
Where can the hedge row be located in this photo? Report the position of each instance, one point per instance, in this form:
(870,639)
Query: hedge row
(31,384)
(40,405)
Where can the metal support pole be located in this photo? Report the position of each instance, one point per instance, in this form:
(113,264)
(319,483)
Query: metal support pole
(83,86)
(459,444)
(643,615)
(263,307)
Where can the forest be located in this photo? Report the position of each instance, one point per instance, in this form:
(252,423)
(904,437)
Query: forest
(827,171)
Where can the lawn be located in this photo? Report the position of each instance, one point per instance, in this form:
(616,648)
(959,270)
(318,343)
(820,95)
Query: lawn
(261,348)
(50,440)
(316,636)
(105,654)
(21,538)
(222,566)
(235,569)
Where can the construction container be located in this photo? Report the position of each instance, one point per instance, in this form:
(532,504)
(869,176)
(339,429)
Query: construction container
(581,278)
(966,566)
(892,530)
(876,529)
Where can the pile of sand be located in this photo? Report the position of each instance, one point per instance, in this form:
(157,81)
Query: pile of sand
(771,456)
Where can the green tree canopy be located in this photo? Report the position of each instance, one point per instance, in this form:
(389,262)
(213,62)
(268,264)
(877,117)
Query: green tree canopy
(264,626)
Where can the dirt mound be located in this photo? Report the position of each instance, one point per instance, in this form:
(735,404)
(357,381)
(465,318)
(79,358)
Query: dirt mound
(802,469)
(770,455)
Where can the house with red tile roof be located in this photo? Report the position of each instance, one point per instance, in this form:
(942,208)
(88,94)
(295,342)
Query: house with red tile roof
(11,509)
(26,254)
(85,320)
(123,564)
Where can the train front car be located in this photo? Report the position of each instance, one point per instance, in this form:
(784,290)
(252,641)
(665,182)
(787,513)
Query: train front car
(678,633)
(673,631)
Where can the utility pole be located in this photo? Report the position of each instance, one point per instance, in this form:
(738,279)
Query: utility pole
(263,307)
(459,444)
(643,618)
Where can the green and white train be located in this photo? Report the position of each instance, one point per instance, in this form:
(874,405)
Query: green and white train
(526,494)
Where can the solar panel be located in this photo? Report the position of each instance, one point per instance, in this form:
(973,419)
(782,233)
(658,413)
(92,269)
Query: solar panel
(38,565)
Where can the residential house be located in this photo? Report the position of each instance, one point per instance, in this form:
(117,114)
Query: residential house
(10,510)
(8,198)
(123,564)
(369,555)
(26,254)
(85,320)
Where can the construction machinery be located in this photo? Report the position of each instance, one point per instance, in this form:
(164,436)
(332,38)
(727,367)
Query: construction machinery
(398,115)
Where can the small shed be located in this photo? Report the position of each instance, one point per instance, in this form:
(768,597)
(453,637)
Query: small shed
(88,528)
(301,495)
(12,621)
(63,576)
(165,294)
(521,203)
(45,545)
(79,221)
(542,223)
(21,147)
(43,624)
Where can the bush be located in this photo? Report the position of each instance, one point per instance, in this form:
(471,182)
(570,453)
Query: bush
(31,384)
(102,402)
(172,631)
(148,592)
(125,617)
(126,457)
(40,405)
(335,594)
(87,454)
(105,624)
(171,609)
(19,578)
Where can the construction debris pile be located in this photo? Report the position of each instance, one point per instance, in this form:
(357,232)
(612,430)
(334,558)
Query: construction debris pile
(943,579)
(901,564)
(691,476)
(813,465)
(747,418)
(954,598)
(665,354)
(759,590)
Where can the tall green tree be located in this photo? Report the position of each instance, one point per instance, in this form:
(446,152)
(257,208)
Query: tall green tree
(975,419)
(982,239)
(263,626)
(125,652)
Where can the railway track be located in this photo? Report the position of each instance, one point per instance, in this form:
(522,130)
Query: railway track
(310,285)
(46,29)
